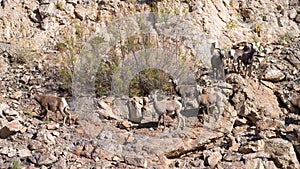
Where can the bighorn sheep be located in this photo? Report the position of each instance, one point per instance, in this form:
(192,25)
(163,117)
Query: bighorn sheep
(136,109)
(235,51)
(167,107)
(217,63)
(213,99)
(243,53)
(54,103)
(187,91)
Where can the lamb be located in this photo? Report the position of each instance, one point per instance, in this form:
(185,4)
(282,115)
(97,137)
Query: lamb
(213,99)
(54,103)
(187,91)
(217,63)
(167,107)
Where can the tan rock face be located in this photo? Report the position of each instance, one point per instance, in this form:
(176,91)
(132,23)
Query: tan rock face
(10,128)
(257,129)
(283,153)
(255,100)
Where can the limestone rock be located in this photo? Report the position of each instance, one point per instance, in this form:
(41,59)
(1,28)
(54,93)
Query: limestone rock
(283,153)
(46,137)
(46,10)
(214,159)
(138,161)
(297,18)
(10,128)
(23,153)
(106,111)
(274,75)
(292,13)
(11,112)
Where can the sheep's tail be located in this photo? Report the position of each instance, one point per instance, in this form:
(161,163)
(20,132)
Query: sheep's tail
(66,106)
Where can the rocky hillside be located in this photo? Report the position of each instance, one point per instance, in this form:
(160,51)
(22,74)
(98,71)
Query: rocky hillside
(40,42)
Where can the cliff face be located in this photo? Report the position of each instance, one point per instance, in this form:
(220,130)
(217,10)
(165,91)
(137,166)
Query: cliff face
(39,25)
(47,44)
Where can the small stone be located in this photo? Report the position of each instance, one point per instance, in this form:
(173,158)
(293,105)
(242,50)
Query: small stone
(55,133)
(74,2)
(240,121)
(252,147)
(232,156)
(67,137)
(283,152)
(116,158)
(17,95)
(10,128)
(234,147)
(274,75)
(4,150)
(297,19)
(292,13)
(46,159)
(124,125)
(46,137)
(35,145)
(11,112)
(214,158)
(80,11)
(23,130)
(52,126)
(61,163)
(25,79)
(24,153)
(136,160)
(3,106)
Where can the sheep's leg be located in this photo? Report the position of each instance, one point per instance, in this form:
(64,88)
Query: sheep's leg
(179,118)
(234,68)
(159,118)
(67,115)
(64,123)
(183,102)
(239,66)
(207,112)
(46,114)
(216,76)
(164,121)
(250,70)
(223,74)
(70,119)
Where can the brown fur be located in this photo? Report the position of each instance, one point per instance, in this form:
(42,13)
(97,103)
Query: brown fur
(54,104)
(167,107)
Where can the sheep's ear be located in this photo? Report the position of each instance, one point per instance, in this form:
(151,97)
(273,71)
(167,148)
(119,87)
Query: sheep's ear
(254,46)
(222,52)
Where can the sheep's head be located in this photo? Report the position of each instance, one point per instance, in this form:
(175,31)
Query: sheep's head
(254,47)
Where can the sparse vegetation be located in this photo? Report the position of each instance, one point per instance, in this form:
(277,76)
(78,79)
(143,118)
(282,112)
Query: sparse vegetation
(287,36)
(231,24)
(60,6)
(71,47)
(148,80)
(258,28)
(16,165)
(104,76)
